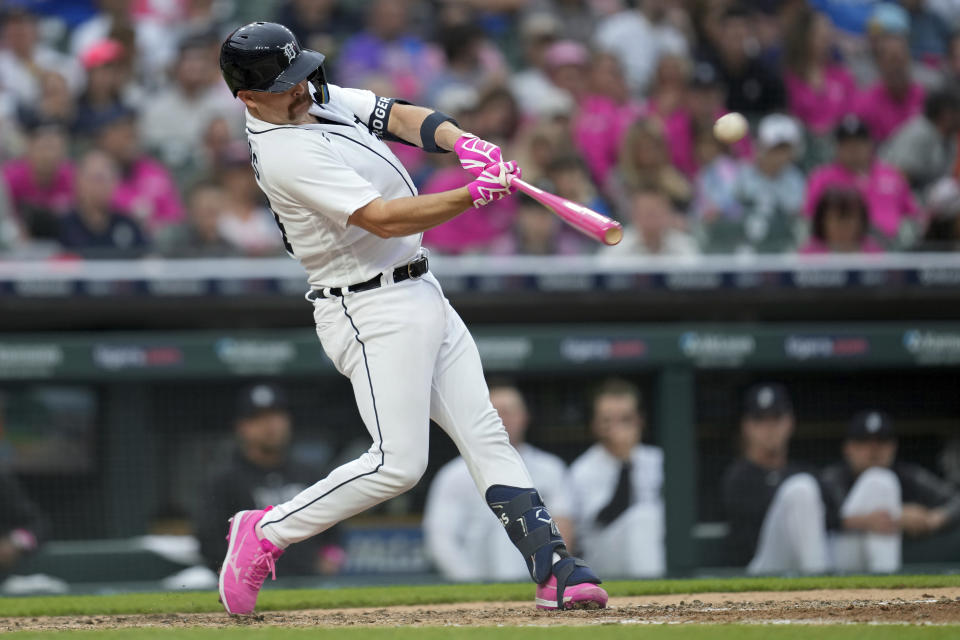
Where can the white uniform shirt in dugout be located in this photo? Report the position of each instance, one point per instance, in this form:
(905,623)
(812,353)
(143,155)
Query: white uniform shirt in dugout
(315,182)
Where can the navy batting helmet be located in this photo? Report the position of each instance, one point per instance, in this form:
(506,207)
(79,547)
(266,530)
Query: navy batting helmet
(265,56)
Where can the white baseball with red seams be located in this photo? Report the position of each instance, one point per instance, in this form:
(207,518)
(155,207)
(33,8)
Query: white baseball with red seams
(407,353)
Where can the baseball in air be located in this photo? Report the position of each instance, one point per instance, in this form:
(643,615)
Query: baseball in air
(730,127)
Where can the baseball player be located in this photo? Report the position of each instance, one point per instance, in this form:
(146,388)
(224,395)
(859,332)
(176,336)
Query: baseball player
(349,212)
(774,505)
(476,550)
(873,499)
(617,485)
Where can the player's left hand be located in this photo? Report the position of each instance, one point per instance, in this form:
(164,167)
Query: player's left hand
(494,182)
(475,153)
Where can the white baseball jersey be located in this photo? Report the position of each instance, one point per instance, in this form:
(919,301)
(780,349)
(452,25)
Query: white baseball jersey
(465,539)
(315,182)
(632,545)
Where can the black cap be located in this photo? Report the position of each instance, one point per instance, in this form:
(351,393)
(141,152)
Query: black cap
(850,127)
(265,56)
(110,117)
(871,425)
(767,400)
(260,398)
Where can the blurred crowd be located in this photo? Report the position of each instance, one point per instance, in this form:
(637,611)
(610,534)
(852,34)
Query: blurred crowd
(119,138)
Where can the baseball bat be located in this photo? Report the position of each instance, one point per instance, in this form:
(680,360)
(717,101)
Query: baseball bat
(583,219)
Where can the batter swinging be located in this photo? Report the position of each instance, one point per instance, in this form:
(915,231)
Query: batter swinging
(349,212)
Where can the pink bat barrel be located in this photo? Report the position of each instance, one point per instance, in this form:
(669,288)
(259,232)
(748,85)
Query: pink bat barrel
(583,219)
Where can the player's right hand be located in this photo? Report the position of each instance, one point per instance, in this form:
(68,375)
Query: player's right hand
(494,183)
(475,153)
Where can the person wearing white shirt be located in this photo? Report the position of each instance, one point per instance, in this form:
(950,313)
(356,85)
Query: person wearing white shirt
(478,549)
(617,483)
(24,59)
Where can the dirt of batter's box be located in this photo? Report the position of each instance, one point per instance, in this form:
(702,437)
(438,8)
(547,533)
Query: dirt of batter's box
(912,606)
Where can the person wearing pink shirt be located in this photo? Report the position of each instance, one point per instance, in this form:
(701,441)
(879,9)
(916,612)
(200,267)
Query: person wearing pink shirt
(603,116)
(841,224)
(146,190)
(889,200)
(40,183)
(470,232)
(897,97)
(819,90)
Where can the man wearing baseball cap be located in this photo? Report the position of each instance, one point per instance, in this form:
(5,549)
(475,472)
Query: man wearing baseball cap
(774,506)
(872,499)
(260,472)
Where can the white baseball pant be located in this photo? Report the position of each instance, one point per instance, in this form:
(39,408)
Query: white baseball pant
(409,358)
(875,490)
(793,537)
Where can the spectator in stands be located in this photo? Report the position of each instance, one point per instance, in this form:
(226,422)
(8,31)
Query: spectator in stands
(943,228)
(567,64)
(654,228)
(892,208)
(261,472)
(95,228)
(320,25)
(819,88)
(55,105)
(104,91)
(387,48)
(173,120)
(146,190)
(41,183)
(473,231)
(537,231)
(753,88)
(617,485)
(896,97)
(874,499)
(478,548)
(155,45)
(925,147)
(603,115)
(497,116)
(668,102)
(530,86)
(774,506)
(471,61)
(24,59)
(929,33)
(841,224)
(199,235)
(714,203)
(246,222)
(768,195)
(644,164)
(22,524)
(637,37)
(704,102)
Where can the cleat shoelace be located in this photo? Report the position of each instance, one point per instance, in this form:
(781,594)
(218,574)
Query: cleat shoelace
(264,563)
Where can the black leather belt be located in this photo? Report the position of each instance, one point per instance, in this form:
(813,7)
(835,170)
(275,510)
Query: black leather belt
(414,269)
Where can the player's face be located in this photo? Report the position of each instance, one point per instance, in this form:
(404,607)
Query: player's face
(617,423)
(279,108)
(513,412)
(863,454)
(767,434)
(269,432)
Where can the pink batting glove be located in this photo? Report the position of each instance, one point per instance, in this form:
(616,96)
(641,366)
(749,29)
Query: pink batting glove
(475,154)
(494,182)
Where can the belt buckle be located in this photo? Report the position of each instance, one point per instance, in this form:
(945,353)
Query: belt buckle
(410,266)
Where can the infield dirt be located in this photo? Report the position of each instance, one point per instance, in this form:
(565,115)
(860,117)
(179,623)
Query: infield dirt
(906,606)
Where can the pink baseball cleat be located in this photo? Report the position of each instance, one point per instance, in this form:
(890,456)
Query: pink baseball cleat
(585,595)
(249,560)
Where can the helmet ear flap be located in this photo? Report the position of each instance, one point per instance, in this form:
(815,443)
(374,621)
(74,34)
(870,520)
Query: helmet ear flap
(321,94)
